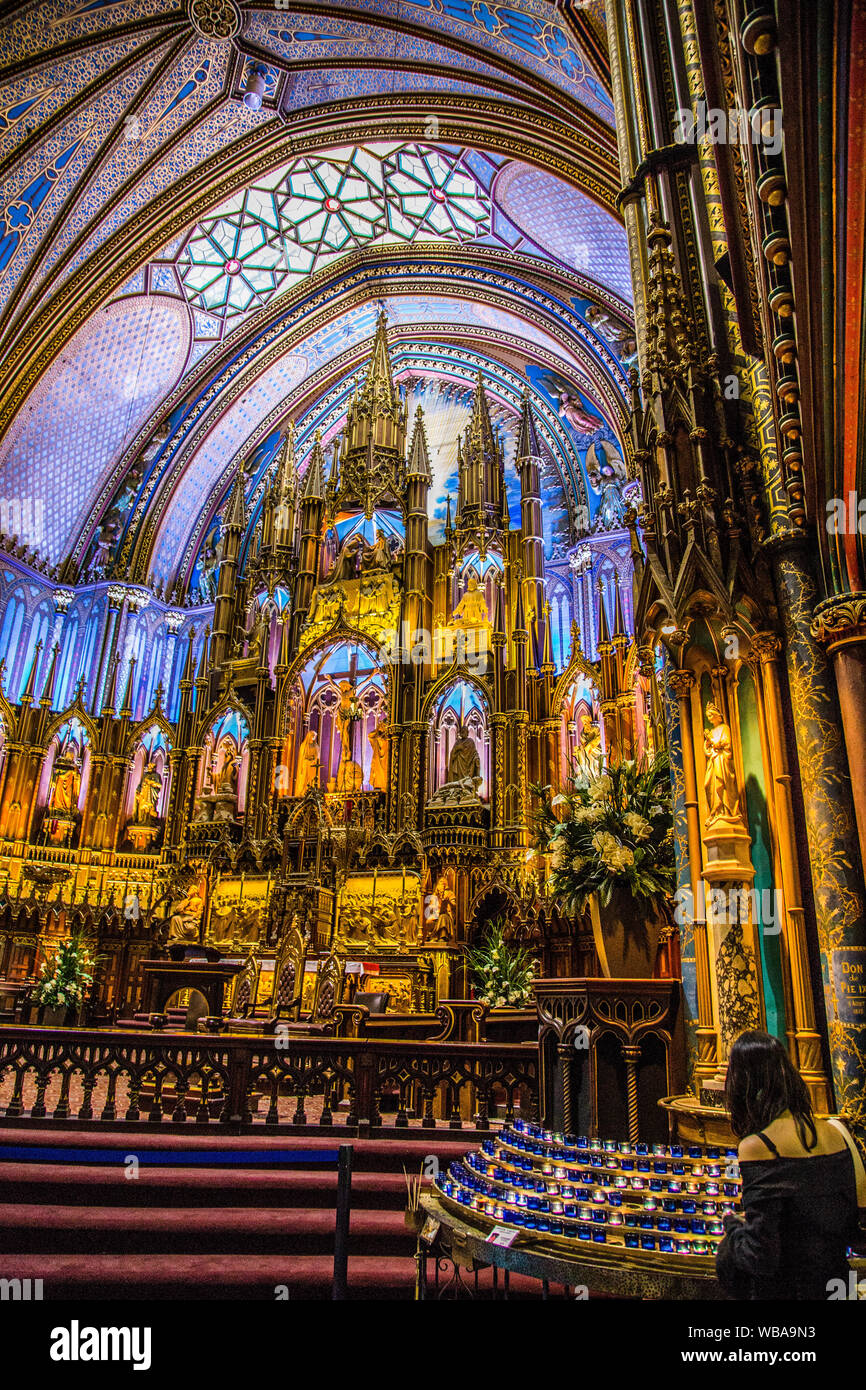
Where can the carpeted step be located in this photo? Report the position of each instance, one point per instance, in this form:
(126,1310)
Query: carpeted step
(203,1230)
(371,1155)
(50,1184)
(207,1277)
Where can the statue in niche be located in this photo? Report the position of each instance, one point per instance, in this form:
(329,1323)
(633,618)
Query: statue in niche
(589,755)
(471,611)
(325,606)
(65,782)
(225,778)
(346,564)
(309,755)
(720,778)
(464,773)
(378,737)
(440,912)
(147,796)
(258,639)
(185,916)
(376,556)
(349,775)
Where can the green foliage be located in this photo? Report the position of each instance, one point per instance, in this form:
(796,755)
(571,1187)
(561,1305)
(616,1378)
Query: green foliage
(503,973)
(64,977)
(610,833)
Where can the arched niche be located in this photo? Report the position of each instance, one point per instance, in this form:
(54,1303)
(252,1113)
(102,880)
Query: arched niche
(63,782)
(223,769)
(487,570)
(147,789)
(462,703)
(318,735)
(580,725)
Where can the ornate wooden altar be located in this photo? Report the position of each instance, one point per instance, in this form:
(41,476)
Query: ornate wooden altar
(609,1051)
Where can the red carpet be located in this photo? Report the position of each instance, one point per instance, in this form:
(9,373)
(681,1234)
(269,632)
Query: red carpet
(233,1230)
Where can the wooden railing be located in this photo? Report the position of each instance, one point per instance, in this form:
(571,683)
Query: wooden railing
(290,1082)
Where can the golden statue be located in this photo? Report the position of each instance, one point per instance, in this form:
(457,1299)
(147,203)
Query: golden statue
(65,784)
(720,778)
(439,912)
(225,779)
(147,796)
(589,755)
(186,915)
(471,611)
(309,754)
(379,766)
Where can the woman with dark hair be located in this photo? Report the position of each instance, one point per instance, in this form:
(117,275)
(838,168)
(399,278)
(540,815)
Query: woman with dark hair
(803,1181)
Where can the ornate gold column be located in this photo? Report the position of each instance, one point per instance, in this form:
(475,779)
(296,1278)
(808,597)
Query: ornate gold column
(682,683)
(803,1036)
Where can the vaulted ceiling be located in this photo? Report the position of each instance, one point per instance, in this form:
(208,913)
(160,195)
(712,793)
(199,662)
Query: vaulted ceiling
(181,274)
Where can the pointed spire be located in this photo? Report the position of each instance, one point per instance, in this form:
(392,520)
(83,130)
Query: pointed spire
(603,629)
(236,512)
(519,610)
(201,673)
(419,457)
(158,697)
(48,690)
(110,698)
(619,628)
(126,705)
(186,678)
(527,437)
(505,514)
(379,392)
(286,480)
(284,660)
(548,665)
(481,428)
(314,480)
(28,692)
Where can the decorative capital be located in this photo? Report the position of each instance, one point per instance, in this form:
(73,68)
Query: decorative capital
(839,621)
(681,683)
(766,646)
(62,599)
(174,622)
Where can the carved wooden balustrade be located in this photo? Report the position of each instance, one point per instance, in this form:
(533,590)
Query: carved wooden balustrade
(286,1082)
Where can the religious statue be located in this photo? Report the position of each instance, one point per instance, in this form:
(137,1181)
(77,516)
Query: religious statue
(258,638)
(589,755)
(471,611)
(349,775)
(186,913)
(464,773)
(376,556)
(225,778)
(720,779)
(378,737)
(346,563)
(147,795)
(439,913)
(309,755)
(65,783)
(464,763)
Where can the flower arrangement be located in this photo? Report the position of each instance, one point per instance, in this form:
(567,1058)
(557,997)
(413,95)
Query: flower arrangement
(503,972)
(610,833)
(64,977)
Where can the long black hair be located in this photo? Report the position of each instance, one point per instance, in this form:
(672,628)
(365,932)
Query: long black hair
(761,1084)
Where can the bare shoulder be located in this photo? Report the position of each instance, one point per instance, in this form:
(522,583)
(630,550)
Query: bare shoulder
(751,1149)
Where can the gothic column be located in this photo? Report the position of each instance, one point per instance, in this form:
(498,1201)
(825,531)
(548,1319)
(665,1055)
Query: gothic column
(839,624)
(831,829)
(803,1037)
(706,1040)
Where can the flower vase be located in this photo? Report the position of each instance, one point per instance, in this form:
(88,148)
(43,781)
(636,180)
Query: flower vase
(626,934)
(54,1015)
